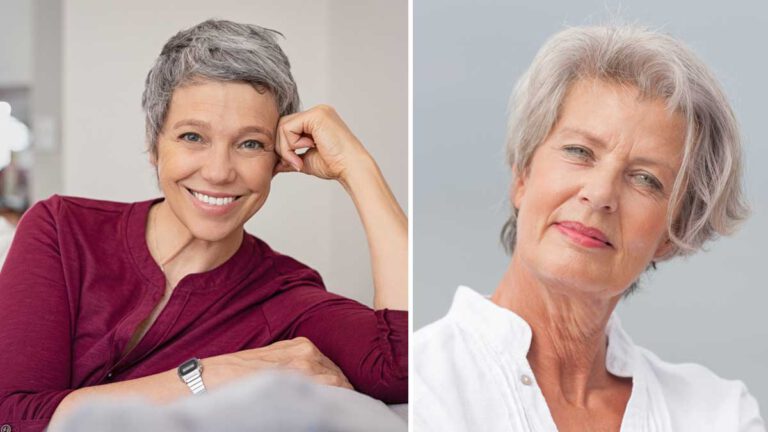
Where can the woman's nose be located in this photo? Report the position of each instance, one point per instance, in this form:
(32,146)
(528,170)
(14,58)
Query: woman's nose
(218,168)
(601,190)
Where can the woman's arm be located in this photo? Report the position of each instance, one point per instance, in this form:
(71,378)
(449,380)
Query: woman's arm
(335,153)
(371,347)
(160,388)
(35,323)
(386,228)
(298,354)
(37,330)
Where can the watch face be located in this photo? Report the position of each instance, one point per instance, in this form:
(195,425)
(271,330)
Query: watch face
(188,366)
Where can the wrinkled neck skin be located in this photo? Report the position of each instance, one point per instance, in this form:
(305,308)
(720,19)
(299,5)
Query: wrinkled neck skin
(178,252)
(569,345)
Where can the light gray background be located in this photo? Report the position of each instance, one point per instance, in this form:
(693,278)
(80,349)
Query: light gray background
(85,62)
(709,308)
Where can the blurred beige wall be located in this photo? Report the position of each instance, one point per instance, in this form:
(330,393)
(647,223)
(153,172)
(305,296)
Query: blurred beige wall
(15,43)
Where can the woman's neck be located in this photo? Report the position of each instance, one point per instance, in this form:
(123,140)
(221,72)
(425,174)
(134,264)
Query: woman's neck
(178,252)
(569,345)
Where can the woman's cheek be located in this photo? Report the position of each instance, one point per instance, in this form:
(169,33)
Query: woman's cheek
(258,175)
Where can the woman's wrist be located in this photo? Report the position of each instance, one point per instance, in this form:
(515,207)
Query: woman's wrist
(361,169)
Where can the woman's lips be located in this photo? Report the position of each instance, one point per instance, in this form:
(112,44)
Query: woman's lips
(583,235)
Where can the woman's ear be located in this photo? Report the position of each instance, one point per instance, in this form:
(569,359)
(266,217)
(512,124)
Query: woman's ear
(153,157)
(664,250)
(517,189)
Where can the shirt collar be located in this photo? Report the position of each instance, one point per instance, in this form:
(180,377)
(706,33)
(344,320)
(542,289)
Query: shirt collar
(620,360)
(508,334)
(501,329)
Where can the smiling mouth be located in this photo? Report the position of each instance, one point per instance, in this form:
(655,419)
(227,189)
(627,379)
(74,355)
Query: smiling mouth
(210,200)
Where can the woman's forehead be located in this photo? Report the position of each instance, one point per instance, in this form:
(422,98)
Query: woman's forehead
(223,104)
(607,115)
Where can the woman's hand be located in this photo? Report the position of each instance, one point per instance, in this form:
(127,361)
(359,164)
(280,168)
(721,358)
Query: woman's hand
(332,149)
(297,354)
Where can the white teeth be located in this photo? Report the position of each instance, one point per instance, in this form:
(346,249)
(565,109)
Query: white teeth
(212,200)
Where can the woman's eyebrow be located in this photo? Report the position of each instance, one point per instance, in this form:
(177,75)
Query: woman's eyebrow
(243,130)
(257,129)
(656,163)
(589,136)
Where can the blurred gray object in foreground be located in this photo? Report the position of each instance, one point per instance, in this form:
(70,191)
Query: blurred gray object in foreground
(269,401)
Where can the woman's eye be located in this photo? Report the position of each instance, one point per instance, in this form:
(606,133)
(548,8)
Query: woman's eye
(578,152)
(191,137)
(647,180)
(252,144)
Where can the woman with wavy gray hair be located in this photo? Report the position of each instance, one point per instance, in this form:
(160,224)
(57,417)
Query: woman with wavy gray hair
(624,152)
(171,297)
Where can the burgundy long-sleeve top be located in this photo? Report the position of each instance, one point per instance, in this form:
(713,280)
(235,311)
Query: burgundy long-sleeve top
(79,279)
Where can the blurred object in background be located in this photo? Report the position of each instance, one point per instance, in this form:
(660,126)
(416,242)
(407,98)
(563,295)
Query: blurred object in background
(17,81)
(15,161)
(14,135)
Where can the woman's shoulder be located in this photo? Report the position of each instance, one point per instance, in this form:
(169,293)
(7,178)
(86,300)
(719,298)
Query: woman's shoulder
(285,266)
(473,320)
(693,392)
(438,336)
(687,379)
(63,219)
(55,204)
(447,350)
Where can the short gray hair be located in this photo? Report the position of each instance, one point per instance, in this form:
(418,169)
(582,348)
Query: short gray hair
(222,51)
(707,198)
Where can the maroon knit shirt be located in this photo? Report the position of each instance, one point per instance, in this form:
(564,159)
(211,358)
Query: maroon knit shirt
(79,278)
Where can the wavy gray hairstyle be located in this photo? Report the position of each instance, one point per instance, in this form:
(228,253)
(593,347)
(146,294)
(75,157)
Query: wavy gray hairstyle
(222,51)
(707,199)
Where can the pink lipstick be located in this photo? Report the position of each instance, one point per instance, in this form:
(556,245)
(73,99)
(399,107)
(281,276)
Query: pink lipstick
(583,235)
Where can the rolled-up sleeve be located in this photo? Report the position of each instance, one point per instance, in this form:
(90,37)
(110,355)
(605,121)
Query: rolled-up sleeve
(370,347)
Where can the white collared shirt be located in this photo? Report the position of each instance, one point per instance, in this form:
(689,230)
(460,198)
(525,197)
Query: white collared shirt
(471,374)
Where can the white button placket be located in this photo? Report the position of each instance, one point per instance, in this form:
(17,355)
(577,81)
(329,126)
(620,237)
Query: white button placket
(536,408)
(526,379)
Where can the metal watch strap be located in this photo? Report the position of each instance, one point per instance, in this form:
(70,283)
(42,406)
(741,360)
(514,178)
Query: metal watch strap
(194,378)
(195,382)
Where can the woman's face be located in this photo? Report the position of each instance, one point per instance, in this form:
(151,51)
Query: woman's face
(608,165)
(216,155)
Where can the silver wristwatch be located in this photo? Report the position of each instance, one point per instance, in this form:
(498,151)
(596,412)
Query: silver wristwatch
(191,373)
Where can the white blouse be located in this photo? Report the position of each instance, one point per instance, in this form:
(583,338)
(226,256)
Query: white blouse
(471,374)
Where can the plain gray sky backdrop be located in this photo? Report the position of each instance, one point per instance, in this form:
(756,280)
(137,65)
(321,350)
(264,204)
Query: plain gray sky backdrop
(709,308)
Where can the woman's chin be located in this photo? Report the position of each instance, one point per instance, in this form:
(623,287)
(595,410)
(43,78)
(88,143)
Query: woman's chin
(574,278)
(214,234)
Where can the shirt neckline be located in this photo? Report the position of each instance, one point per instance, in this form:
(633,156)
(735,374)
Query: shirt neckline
(509,336)
(234,269)
(507,333)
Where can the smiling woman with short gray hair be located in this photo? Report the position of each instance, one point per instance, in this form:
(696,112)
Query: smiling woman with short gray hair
(624,152)
(170,297)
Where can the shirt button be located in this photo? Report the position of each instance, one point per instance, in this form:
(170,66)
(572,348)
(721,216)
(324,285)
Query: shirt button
(109,377)
(6,428)
(526,380)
